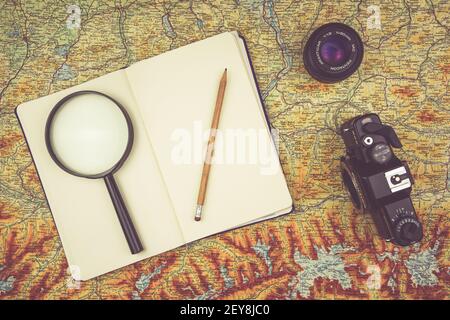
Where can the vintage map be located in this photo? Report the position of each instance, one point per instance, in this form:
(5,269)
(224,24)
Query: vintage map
(324,249)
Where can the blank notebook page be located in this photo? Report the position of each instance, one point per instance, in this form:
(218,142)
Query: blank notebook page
(85,217)
(176,94)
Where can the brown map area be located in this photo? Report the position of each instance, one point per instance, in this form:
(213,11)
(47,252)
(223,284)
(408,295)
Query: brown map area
(325,249)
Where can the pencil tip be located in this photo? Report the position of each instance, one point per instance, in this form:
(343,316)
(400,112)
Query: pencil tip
(198,212)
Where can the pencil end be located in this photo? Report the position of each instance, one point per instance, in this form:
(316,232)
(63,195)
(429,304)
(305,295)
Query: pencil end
(198,213)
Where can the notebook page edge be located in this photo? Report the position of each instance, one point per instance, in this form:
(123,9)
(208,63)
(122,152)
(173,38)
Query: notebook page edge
(246,59)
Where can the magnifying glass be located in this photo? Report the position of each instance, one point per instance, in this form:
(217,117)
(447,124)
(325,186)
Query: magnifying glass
(89,134)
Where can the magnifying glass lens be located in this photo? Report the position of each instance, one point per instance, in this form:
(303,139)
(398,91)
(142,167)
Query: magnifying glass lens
(89,134)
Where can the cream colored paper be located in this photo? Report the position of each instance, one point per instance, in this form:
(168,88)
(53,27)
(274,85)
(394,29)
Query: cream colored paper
(182,95)
(83,212)
(161,94)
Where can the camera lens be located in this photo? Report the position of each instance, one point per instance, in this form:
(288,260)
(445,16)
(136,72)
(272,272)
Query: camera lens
(381,153)
(333,52)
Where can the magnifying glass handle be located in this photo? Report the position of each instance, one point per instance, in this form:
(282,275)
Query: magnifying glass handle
(124,218)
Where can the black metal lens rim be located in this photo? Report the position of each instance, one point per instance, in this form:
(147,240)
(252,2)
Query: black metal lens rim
(48,126)
(323,73)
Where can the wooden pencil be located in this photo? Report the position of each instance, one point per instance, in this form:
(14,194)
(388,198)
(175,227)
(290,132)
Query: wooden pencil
(210,147)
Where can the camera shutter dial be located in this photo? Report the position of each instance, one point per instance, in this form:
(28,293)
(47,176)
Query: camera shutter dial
(408,231)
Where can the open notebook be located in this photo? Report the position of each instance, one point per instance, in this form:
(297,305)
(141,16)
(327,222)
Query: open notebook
(167,97)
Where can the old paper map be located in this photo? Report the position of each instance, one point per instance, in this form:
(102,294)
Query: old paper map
(324,249)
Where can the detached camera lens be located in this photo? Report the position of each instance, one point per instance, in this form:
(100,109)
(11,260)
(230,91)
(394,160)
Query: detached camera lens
(333,52)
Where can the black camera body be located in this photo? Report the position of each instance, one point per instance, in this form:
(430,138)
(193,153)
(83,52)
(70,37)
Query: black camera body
(379,182)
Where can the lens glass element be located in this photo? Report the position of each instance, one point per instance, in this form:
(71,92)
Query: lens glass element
(335,50)
(89,134)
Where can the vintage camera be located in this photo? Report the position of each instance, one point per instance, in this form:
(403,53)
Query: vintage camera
(378,182)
